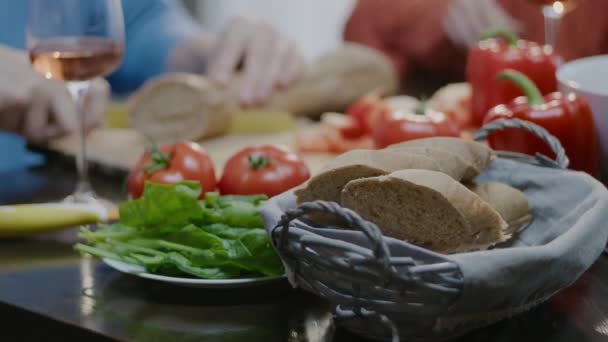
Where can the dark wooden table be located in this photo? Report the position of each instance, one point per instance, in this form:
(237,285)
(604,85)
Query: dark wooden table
(48,290)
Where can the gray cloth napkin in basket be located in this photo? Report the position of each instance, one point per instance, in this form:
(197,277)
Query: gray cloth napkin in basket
(568,233)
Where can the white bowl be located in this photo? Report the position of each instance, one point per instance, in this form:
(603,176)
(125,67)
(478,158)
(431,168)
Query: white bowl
(588,77)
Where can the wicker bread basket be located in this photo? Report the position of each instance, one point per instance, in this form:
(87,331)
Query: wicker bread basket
(387,289)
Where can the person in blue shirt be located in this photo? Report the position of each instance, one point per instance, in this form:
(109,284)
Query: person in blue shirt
(160,37)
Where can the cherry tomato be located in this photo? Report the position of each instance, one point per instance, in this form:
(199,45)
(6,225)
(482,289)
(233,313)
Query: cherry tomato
(173,164)
(365,113)
(264,169)
(455,101)
(418,123)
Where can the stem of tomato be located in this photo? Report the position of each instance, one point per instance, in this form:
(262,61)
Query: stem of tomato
(509,37)
(421,107)
(535,97)
(258,161)
(160,160)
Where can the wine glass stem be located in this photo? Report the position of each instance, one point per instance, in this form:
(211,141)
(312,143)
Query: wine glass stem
(79,90)
(552,21)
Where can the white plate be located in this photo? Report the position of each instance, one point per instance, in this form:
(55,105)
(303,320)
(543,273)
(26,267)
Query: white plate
(190,282)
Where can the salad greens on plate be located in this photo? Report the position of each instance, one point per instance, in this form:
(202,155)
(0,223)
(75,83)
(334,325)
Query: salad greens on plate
(168,231)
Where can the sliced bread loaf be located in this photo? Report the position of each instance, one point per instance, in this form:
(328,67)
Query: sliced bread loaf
(427,208)
(327,186)
(479,156)
(510,203)
(449,162)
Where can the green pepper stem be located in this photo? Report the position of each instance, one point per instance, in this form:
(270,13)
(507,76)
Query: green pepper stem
(534,95)
(510,37)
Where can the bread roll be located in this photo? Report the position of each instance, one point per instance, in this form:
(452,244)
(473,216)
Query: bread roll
(327,185)
(427,208)
(510,203)
(477,155)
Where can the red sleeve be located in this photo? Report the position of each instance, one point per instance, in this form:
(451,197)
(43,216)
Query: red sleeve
(409,32)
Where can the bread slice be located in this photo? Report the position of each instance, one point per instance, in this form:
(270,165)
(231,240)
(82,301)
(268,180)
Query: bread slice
(510,203)
(449,162)
(427,208)
(479,156)
(327,185)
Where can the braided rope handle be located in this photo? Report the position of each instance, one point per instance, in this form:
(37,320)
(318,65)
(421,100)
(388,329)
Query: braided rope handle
(561,160)
(354,221)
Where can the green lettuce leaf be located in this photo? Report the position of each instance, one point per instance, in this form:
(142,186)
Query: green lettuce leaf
(163,207)
(169,231)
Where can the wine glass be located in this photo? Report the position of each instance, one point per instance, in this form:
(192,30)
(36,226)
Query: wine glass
(554,11)
(76,41)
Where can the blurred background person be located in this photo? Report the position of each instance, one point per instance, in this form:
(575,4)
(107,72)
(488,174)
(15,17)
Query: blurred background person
(39,108)
(316,25)
(160,36)
(434,35)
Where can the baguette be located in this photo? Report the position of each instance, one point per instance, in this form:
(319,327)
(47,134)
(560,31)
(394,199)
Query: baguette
(477,155)
(427,208)
(510,203)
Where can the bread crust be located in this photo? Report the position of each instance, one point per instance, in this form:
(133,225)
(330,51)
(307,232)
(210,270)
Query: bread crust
(477,155)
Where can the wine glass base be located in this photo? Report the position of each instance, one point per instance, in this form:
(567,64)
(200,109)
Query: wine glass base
(84,194)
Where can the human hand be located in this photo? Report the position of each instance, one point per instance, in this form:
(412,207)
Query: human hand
(42,109)
(467,20)
(270,60)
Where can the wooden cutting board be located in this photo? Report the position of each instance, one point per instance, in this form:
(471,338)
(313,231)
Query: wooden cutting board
(121,148)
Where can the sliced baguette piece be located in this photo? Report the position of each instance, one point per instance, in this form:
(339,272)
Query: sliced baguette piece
(180,106)
(478,155)
(327,185)
(510,203)
(449,163)
(427,208)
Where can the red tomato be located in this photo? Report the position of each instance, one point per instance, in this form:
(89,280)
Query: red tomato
(264,169)
(331,136)
(403,126)
(312,141)
(455,101)
(173,164)
(365,112)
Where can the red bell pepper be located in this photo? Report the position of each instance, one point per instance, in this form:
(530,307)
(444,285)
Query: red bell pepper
(566,116)
(499,50)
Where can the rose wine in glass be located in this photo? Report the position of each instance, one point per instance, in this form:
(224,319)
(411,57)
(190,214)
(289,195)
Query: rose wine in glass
(554,11)
(76,41)
(76,59)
